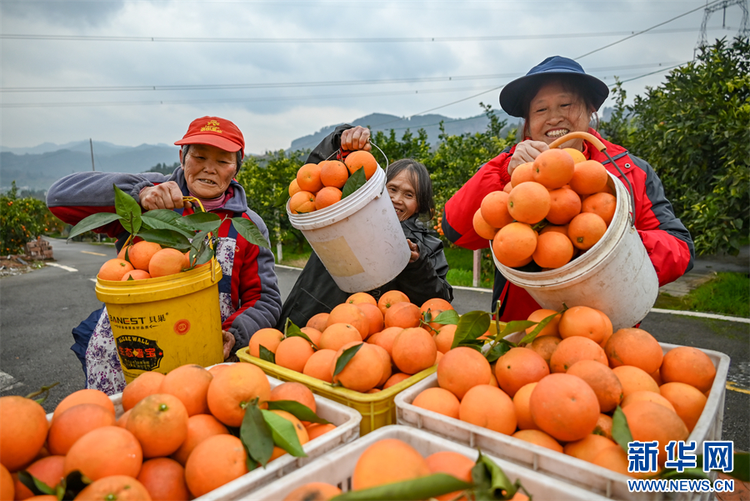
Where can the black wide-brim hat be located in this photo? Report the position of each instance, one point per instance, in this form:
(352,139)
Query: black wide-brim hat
(513,94)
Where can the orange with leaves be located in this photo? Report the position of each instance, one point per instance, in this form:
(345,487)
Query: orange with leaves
(235,388)
(362,372)
(361,159)
(268,337)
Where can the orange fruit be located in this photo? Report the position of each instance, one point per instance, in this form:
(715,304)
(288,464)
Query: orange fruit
(650,396)
(602,380)
(494,209)
(308,178)
(461,369)
(689,365)
(438,400)
(518,367)
(302,202)
(577,155)
(553,168)
(413,350)
(551,328)
(23,431)
(119,487)
(347,313)
(514,243)
(588,447)
(553,250)
(135,275)
(140,254)
(444,338)
(363,371)
(7,490)
(296,392)
(114,269)
(299,428)
(313,491)
(327,196)
(540,438)
(313,334)
(615,459)
(294,187)
(603,204)
(361,297)
(145,384)
(293,353)
(583,321)
(402,315)
(387,364)
(385,461)
(529,202)
(586,229)
(47,469)
(589,177)
(122,421)
(545,346)
(85,396)
(389,298)
(189,383)
(103,452)
(564,205)
(650,421)
(564,406)
(200,427)
(573,349)
(160,423)
(435,304)
(333,173)
(319,365)
(166,262)
(375,320)
(164,479)
(268,337)
(385,338)
(634,379)
(337,335)
(688,401)
(634,347)
(604,426)
(395,379)
(483,228)
(451,463)
(524,173)
(233,389)
(488,407)
(74,423)
(317,429)
(318,321)
(521,404)
(361,159)
(214,462)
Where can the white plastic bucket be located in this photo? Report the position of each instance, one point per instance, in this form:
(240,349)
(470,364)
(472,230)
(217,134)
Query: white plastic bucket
(359,239)
(615,276)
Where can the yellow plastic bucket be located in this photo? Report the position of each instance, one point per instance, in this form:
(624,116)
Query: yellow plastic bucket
(162,323)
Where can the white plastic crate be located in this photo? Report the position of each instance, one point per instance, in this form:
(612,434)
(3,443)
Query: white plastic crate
(561,466)
(337,467)
(347,429)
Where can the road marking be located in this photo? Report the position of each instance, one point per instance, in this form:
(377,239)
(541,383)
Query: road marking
(702,315)
(733,387)
(93,280)
(93,253)
(66,268)
(8,382)
(477,289)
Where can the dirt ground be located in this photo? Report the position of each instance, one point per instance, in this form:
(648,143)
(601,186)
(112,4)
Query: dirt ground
(16,265)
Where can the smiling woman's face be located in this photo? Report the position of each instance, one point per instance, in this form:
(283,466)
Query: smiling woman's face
(403,195)
(208,170)
(554,112)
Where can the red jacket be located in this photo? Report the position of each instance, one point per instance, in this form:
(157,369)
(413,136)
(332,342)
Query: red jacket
(666,239)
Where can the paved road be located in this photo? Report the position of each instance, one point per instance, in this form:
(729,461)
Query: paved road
(40,309)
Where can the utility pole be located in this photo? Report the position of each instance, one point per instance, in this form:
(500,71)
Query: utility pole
(91,147)
(715,7)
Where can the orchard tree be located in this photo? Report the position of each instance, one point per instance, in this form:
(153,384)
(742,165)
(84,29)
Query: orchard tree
(695,131)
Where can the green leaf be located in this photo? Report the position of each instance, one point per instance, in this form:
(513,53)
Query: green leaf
(447,317)
(72,484)
(129,211)
(159,223)
(92,222)
(498,350)
(36,486)
(255,434)
(280,199)
(471,326)
(44,390)
(620,429)
(250,232)
(266,354)
(491,479)
(297,409)
(206,221)
(426,487)
(515,326)
(284,434)
(345,357)
(355,182)
(166,238)
(291,330)
(541,325)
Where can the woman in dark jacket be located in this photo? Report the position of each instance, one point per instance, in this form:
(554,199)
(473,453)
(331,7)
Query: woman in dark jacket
(410,189)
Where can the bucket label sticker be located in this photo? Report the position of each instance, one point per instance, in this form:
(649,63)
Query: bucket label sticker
(182,327)
(138,323)
(338,258)
(139,353)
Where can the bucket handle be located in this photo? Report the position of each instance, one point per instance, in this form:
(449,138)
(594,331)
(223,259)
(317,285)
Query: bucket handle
(339,152)
(596,143)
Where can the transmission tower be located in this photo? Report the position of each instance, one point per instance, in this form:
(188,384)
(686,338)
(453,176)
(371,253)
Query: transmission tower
(744,31)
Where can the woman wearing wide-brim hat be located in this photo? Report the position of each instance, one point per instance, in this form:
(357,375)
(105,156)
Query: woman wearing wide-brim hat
(554,98)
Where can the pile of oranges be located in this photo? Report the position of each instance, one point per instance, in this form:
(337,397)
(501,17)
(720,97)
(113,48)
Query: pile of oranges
(553,208)
(173,440)
(561,390)
(396,341)
(319,185)
(144,260)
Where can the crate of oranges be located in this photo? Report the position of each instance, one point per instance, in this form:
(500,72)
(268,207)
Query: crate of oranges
(552,402)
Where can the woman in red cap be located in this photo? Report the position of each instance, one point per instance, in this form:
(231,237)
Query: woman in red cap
(554,98)
(210,156)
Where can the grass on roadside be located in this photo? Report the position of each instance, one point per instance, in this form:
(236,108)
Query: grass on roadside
(727,294)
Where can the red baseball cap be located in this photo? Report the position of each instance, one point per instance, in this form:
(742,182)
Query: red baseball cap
(214,131)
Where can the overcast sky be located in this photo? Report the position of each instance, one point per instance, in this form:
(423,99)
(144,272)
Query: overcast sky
(138,71)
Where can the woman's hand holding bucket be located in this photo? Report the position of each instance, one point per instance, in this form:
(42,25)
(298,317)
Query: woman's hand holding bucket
(357,138)
(228,340)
